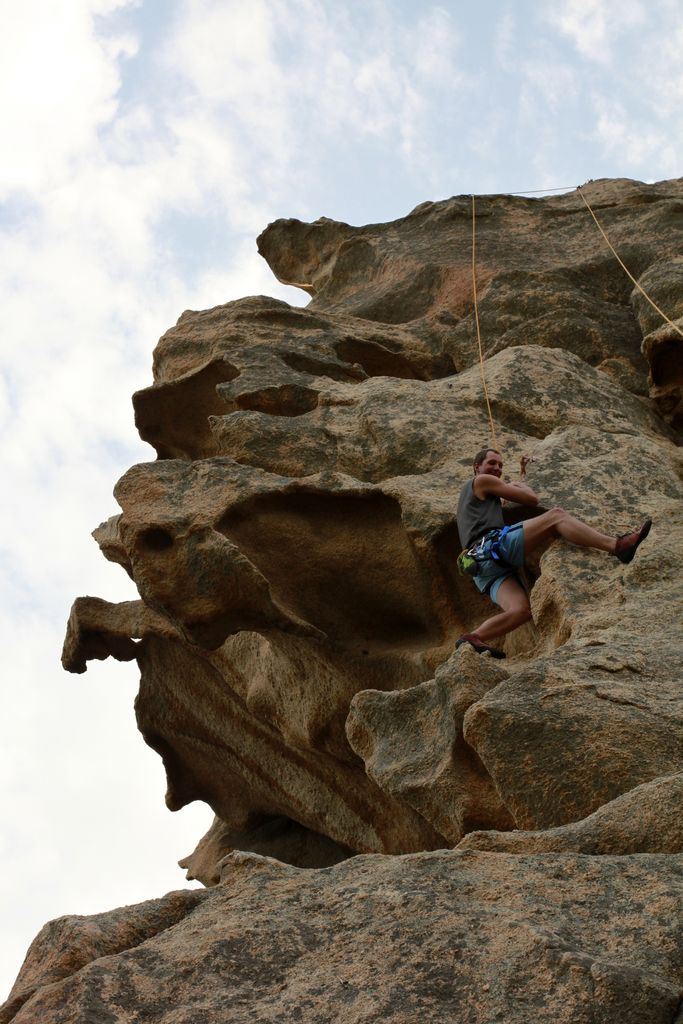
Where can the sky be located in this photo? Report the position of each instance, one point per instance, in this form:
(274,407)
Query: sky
(145,144)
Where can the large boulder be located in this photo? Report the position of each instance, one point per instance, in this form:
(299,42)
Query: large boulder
(475,937)
(294,549)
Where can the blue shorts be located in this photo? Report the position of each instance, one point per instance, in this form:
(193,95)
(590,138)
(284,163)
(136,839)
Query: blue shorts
(493,573)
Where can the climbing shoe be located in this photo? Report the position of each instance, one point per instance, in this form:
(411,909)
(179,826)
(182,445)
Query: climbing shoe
(479,646)
(627,543)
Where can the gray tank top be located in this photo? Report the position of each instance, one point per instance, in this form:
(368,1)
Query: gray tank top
(476,517)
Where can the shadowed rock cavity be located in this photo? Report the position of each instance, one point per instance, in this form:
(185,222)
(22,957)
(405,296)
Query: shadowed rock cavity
(294,548)
(173,417)
(281,838)
(663,344)
(363,582)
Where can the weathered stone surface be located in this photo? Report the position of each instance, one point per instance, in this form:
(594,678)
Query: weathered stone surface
(295,552)
(258,358)
(662,344)
(647,819)
(581,727)
(297,692)
(388,426)
(294,548)
(413,746)
(339,432)
(444,936)
(544,272)
(216,747)
(68,944)
(99,629)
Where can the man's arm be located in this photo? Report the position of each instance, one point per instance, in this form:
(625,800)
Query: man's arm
(485,485)
(518,485)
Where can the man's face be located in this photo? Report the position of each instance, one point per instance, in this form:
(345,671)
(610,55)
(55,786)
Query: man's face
(492,464)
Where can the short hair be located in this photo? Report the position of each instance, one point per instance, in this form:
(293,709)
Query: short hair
(482,453)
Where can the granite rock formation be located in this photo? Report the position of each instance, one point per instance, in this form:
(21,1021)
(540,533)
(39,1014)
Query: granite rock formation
(294,549)
(456,936)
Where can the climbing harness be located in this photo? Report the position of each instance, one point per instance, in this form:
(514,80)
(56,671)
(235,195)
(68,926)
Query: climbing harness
(487,548)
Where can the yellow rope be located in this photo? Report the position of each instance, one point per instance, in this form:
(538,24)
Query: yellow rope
(624,267)
(476,320)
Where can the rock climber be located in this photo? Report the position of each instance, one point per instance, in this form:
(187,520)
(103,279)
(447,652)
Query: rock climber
(480,514)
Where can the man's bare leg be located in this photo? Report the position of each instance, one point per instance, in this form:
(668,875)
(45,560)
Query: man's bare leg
(511,596)
(513,599)
(558,523)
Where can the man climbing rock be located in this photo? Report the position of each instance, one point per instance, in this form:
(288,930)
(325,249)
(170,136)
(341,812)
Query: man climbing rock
(500,550)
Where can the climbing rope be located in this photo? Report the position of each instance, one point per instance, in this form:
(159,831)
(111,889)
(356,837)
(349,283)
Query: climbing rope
(625,268)
(476,320)
(474,287)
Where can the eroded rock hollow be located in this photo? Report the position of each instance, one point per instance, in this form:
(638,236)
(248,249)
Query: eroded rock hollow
(294,548)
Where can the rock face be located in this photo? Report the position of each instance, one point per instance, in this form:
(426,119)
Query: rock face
(294,549)
(646,819)
(443,936)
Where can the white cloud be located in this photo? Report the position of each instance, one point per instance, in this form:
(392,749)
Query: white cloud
(226,49)
(84,824)
(435,42)
(235,92)
(633,108)
(503,38)
(57,85)
(87,285)
(662,80)
(549,85)
(606,107)
(278,75)
(244,272)
(646,147)
(594,26)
